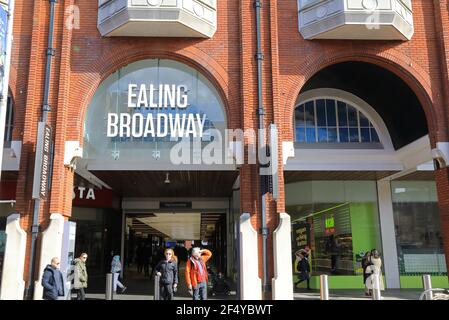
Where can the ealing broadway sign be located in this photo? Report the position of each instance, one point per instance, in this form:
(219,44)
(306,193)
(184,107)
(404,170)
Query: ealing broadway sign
(164,97)
(42,162)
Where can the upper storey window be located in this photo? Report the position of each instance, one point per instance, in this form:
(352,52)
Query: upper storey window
(356,19)
(157,18)
(332,121)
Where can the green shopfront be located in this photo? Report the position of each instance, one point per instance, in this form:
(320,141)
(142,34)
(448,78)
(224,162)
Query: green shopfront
(339,222)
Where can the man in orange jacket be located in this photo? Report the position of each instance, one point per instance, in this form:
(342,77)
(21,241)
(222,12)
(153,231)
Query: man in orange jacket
(196,273)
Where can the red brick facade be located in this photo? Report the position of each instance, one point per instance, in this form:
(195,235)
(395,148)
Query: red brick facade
(84,59)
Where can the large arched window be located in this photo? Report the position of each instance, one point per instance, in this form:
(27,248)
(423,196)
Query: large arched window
(328,116)
(134,112)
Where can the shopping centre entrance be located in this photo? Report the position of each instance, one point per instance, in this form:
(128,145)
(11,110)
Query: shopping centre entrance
(145,212)
(156,156)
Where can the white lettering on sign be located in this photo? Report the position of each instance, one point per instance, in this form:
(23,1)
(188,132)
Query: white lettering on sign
(145,125)
(83,193)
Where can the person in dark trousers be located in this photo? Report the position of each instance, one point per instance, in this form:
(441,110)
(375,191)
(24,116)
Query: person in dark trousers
(303,267)
(146,256)
(333,247)
(365,263)
(167,269)
(139,257)
(80,276)
(158,255)
(53,281)
(183,255)
(196,273)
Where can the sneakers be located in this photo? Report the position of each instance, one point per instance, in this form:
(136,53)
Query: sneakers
(123,289)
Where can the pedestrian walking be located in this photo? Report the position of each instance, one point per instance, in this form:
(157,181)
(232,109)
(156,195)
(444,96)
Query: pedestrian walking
(80,276)
(167,270)
(303,267)
(116,268)
(53,281)
(373,269)
(196,273)
(365,264)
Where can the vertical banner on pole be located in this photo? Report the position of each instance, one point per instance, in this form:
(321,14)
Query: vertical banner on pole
(42,162)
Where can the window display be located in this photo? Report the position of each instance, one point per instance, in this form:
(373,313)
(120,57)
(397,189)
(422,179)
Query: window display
(337,221)
(417,224)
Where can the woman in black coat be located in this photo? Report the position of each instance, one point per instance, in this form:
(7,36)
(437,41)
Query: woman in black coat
(167,270)
(303,268)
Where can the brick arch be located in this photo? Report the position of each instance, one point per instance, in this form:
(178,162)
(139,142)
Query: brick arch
(100,70)
(399,64)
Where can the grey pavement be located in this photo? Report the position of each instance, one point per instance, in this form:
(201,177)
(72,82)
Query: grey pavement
(342,294)
(140,287)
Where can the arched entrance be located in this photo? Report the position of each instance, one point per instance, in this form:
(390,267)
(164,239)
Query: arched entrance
(363,177)
(155,172)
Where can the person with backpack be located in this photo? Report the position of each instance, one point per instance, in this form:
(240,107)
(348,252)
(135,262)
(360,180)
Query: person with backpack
(303,267)
(80,276)
(167,270)
(116,268)
(196,273)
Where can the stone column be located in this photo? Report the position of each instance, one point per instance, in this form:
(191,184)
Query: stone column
(51,246)
(283,271)
(13,285)
(389,248)
(250,282)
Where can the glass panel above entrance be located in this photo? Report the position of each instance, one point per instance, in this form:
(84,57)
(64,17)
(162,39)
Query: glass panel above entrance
(154,115)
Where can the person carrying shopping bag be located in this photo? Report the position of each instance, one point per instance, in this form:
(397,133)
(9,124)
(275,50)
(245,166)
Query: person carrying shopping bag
(116,268)
(167,270)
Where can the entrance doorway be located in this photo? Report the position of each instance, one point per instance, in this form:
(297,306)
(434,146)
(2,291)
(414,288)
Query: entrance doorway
(147,235)
(159,210)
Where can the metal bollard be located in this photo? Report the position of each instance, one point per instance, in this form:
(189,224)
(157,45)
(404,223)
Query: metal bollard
(427,284)
(376,287)
(109,286)
(157,291)
(324,287)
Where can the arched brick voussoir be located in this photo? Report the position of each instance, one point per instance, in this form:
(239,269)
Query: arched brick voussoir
(396,62)
(89,80)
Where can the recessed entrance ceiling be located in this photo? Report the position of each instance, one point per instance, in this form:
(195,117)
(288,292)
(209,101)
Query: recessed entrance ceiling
(182,183)
(177,226)
(295,176)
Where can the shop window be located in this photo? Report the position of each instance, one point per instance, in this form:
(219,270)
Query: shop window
(337,220)
(332,121)
(417,224)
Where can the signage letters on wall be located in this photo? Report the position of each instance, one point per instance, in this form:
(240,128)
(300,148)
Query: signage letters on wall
(143,124)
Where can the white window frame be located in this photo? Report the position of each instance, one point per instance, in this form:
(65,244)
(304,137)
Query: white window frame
(354,101)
